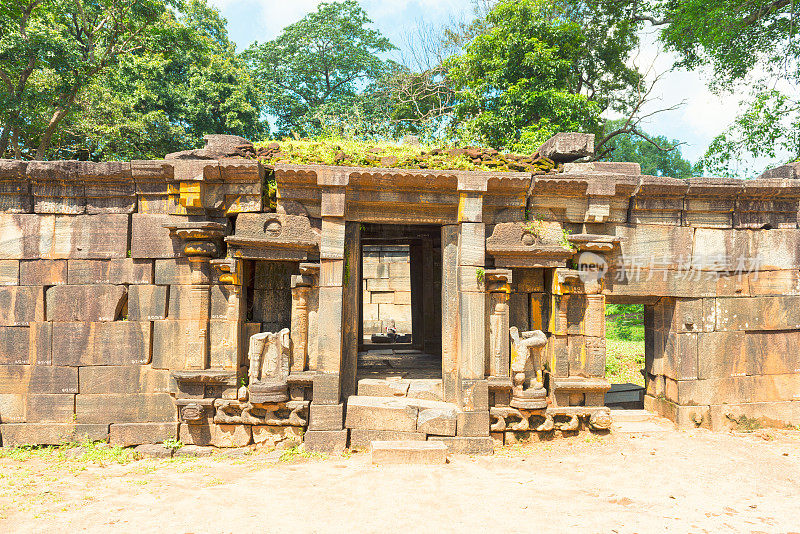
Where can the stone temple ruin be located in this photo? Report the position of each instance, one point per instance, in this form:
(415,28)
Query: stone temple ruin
(163,299)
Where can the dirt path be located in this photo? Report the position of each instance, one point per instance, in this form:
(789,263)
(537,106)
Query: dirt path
(665,482)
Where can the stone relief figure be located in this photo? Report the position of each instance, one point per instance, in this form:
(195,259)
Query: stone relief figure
(527,392)
(270,355)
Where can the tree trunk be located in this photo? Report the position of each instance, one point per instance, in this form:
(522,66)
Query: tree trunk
(55,120)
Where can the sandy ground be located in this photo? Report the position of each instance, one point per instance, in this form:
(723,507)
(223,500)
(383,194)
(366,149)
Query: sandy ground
(675,481)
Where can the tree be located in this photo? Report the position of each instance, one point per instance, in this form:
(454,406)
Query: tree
(657,155)
(187,82)
(65,44)
(742,43)
(180,81)
(543,66)
(329,55)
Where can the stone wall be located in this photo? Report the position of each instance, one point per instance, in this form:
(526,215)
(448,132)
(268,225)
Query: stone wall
(387,288)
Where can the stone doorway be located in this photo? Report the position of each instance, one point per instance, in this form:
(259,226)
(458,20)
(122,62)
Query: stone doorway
(629,347)
(401,319)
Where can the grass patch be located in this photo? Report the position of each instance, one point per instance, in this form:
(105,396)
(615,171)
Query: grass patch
(624,359)
(298,453)
(94,452)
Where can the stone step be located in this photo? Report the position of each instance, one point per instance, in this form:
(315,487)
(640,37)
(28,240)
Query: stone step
(408,452)
(639,421)
(401,414)
(631,416)
(415,388)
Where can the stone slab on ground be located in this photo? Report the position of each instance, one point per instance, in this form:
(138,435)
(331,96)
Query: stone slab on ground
(360,438)
(408,452)
(325,441)
(153,450)
(14,434)
(193,451)
(466,445)
(326,416)
(127,434)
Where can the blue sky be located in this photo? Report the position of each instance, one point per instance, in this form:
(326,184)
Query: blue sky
(704,115)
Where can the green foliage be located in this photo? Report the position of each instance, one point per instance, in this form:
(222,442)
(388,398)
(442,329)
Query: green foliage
(624,361)
(173,444)
(625,322)
(480,275)
(655,159)
(319,66)
(297,453)
(539,67)
(564,241)
(752,44)
(153,79)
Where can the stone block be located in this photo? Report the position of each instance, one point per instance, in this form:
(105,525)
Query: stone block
(767,414)
(102,236)
(527,280)
(225,302)
(15,345)
(272,306)
(332,241)
(50,408)
(774,283)
(472,315)
(17,434)
(568,146)
(176,271)
(360,439)
(408,452)
(50,379)
(9,272)
(116,271)
(326,417)
(682,416)
(325,441)
(230,435)
(195,435)
(20,306)
(467,445)
(129,379)
(473,424)
(128,434)
(664,244)
(125,408)
(12,407)
(378,387)
(85,303)
(728,354)
(437,421)
(329,329)
(472,245)
(425,388)
(470,207)
(286,436)
(112,343)
(475,395)
(734,390)
(147,303)
(170,340)
(326,388)
(224,340)
(153,450)
(680,359)
(381,297)
(379,413)
(758,313)
(42,272)
(149,238)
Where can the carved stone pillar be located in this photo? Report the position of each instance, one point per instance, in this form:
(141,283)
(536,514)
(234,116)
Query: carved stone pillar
(301,289)
(202,242)
(497,286)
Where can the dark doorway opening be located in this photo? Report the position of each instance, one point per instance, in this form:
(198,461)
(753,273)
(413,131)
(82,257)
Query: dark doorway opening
(401,309)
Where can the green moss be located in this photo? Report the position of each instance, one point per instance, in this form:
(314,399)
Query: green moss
(355,153)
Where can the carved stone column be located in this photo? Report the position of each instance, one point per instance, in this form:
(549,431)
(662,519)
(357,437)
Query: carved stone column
(202,242)
(497,286)
(301,290)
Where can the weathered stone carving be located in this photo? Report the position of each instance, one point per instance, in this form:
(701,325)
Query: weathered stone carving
(291,413)
(269,355)
(526,369)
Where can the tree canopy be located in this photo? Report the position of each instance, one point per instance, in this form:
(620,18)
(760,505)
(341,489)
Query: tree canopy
(328,58)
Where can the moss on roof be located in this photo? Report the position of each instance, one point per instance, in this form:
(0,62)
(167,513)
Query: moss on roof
(350,153)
